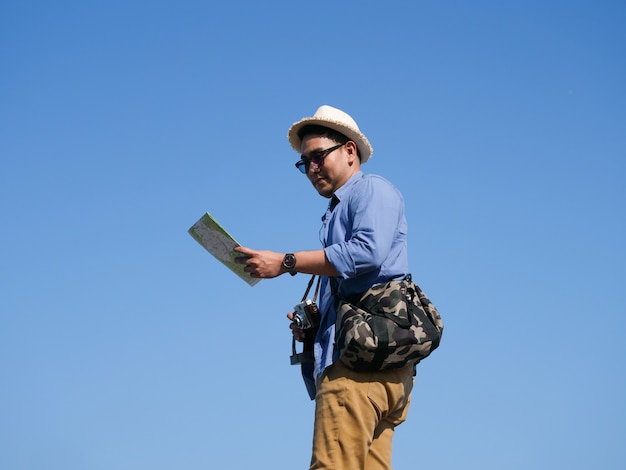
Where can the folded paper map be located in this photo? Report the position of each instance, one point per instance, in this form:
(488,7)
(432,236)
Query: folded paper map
(217,241)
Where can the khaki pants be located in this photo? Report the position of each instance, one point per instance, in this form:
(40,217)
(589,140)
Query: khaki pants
(355,417)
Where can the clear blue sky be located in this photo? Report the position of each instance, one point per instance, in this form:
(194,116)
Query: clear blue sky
(123,345)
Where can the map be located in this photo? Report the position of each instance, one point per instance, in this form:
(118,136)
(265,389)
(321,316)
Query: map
(217,241)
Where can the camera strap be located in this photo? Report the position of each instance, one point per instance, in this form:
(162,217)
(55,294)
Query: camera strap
(308,288)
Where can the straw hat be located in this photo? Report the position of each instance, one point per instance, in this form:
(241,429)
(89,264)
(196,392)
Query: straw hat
(336,119)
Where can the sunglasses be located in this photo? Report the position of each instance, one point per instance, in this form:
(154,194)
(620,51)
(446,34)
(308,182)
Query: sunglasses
(316,157)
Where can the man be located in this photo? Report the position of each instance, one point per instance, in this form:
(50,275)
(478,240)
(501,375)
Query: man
(365,237)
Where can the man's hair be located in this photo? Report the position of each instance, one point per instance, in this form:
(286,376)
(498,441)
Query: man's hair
(321,131)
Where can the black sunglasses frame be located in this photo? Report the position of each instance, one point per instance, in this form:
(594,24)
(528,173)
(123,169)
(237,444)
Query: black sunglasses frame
(318,158)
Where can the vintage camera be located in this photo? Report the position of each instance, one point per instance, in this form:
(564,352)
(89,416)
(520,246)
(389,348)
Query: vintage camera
(306,315)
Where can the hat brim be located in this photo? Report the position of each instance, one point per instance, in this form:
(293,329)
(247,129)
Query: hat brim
(365,148)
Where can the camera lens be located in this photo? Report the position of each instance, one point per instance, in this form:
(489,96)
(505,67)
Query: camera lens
(297,320)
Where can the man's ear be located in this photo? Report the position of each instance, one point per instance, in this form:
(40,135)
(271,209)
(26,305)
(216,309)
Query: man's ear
(352,150)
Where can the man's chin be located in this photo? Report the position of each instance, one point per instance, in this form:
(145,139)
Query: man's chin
(323,190)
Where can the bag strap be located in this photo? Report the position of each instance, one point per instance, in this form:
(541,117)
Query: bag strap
(354,298)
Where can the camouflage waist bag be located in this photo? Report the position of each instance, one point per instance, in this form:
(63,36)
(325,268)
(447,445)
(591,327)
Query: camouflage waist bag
(388,326)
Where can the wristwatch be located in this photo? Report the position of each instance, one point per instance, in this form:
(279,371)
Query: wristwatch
(289,262)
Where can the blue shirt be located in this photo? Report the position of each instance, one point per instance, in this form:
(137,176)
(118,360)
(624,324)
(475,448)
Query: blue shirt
(365,234)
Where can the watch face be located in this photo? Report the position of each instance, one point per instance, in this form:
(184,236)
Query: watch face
(289,261)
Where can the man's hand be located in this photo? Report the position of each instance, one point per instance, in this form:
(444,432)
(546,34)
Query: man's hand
(298,334)
(262,264)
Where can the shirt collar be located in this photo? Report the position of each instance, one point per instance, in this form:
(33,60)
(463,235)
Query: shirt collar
(344,189)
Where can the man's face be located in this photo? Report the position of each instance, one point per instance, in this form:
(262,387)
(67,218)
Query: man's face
(337,168)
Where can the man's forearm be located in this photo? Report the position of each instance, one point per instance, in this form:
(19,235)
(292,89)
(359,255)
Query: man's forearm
(314,262)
